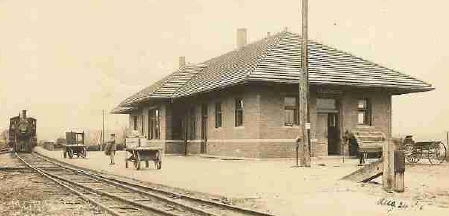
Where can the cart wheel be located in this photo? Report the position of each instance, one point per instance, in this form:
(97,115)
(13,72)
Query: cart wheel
(137,162)
(158,161)
(410,153)
(437,153)
(70,152)
(84,153)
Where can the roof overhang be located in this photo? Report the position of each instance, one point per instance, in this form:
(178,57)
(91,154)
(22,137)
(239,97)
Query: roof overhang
(123,110)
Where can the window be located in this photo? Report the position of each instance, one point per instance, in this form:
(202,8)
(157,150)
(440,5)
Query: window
(238,112)
(291,111)
(142,125)
(218,115)
(364,112)
(192,123)
(134,122)
(154,124)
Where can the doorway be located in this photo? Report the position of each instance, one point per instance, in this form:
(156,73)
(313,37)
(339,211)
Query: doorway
(333,134)
(203,149)
(328,126)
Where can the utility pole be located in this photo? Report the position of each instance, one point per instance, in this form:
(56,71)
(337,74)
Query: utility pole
(447,138)
(304,90)
(102,133)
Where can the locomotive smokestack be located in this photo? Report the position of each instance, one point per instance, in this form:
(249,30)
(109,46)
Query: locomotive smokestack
(24,114)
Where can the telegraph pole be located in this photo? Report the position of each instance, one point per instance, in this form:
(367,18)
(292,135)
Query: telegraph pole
(102,133)
(304,90)
(447,139)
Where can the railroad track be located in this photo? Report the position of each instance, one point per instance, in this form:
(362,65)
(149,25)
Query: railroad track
(119,197)
(4,150)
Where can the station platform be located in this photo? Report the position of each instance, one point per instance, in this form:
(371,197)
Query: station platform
(266,184)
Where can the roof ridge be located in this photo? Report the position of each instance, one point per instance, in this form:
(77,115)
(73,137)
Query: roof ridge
(231,53)
(281,36)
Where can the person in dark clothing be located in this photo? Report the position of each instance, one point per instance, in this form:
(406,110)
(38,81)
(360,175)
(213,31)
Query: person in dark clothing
(112,149)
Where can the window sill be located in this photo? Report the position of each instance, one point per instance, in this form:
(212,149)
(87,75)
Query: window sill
(154,140)
(239,127)
(293,126)
(364,124)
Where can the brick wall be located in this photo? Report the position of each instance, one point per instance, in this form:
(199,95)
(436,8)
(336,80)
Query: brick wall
(263,133)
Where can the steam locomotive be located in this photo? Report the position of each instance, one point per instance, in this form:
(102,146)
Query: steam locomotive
(22,133)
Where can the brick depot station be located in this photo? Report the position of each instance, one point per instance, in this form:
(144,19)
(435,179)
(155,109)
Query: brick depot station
(244,103)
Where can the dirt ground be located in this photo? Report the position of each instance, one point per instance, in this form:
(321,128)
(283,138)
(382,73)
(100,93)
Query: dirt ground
(275,186)
(26,193)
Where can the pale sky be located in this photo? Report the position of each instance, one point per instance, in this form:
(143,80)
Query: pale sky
(65,60)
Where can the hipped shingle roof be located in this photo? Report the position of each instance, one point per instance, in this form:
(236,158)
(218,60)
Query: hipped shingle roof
(276,59)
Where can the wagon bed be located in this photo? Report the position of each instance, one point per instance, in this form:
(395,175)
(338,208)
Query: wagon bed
(147,154)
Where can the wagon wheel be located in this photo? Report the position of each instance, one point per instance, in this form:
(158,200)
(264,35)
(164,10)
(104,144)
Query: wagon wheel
(128,158)
(158,161)
(70,152)
(65,153)
(410,153)
(437,153)
(159,165)
(147,164)
(83,153)
(137,161)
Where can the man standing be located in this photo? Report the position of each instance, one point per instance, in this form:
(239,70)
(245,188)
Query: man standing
(112,149)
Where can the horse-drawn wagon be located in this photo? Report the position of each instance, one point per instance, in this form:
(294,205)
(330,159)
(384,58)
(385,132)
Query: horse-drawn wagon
(434,151)
(74,145)
(139,150)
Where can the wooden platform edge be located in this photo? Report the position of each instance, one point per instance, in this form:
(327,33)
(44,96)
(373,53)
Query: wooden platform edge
(366,173)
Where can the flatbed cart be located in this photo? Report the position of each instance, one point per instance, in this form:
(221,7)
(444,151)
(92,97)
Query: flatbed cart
(75,145)
(147,154)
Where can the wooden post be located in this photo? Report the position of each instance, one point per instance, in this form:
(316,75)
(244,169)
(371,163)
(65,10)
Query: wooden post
(388,169)
(447,145)
(303,91)
(399,169)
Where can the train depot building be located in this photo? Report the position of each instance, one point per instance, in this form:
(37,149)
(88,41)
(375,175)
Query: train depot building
(244,103)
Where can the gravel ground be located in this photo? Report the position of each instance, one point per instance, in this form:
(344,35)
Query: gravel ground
(28,193)
(276,186)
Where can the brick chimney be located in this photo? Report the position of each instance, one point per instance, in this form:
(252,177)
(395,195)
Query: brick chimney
(24,114)
(182,61)
(241,37)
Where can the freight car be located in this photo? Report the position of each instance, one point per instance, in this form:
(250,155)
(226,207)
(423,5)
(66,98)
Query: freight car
(22,133)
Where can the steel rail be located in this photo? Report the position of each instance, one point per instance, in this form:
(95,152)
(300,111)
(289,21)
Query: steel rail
(69,188)
(128,201)
(135,185)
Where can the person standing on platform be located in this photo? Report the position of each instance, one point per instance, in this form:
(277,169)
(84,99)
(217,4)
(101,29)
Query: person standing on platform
(112,149)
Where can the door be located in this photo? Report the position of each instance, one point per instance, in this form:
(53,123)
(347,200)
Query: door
(333,134)
(321,135)
(203,149)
